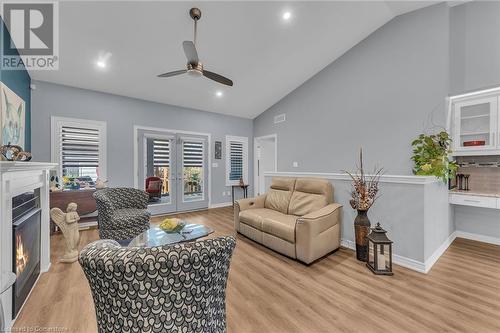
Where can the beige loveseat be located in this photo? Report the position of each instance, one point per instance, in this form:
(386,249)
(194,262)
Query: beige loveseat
(296,217)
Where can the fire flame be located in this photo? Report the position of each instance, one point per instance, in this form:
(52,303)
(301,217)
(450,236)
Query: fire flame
(21,255)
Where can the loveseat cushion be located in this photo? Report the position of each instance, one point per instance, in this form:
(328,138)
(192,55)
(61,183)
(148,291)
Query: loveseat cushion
(309,195)
(271,222)
(279,194)
(280,226)
(255,217)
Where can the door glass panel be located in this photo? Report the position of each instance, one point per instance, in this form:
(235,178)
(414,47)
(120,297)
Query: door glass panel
(192,170)
(475,125)
(158,169)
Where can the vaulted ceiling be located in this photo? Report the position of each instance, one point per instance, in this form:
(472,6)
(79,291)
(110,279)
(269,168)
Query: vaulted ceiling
(265,55)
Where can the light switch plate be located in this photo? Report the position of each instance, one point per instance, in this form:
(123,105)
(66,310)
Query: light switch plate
(295,164)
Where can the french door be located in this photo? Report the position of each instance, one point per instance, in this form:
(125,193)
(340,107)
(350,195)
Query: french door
(179,163)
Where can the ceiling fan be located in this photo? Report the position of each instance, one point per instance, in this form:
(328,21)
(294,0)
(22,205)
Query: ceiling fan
(194,66)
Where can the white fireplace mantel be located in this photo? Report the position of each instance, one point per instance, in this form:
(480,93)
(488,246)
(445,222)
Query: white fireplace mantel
(17,178)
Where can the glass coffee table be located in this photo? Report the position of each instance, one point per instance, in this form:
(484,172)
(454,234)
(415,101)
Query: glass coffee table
(157,237)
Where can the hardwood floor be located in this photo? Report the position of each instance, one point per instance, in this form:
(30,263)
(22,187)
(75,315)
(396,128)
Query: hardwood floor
(270,293)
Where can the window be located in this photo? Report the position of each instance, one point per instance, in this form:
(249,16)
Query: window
(236,160)
(192,162)
(161,162)
(79,147)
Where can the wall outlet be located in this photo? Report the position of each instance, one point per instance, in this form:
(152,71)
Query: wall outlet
(295,164)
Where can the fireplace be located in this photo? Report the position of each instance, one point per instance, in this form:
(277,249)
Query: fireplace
(26,218)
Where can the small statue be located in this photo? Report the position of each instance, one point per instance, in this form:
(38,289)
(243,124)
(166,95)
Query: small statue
(68,223)
(99,183)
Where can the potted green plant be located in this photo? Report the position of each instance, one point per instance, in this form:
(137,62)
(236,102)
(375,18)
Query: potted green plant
(431,155)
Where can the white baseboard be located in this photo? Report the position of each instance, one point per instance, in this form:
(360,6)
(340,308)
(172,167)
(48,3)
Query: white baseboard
(439,252)
(396,259)
(86,225)
(409,263)
(477,237)
(425,267)
(220,205)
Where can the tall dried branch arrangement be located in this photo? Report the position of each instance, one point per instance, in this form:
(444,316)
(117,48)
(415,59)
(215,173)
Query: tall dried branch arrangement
(364,187)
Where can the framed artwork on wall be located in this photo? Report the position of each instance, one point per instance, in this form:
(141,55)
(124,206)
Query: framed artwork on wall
(218,150)
(12,121)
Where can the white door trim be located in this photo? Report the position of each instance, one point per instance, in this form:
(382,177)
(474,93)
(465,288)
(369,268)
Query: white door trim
(174,131)
(255,168)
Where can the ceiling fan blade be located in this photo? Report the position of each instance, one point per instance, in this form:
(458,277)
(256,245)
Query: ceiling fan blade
(190,51)
(174,73)
(218,78)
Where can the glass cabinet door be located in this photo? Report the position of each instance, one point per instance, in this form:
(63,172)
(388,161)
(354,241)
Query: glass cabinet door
(476,124)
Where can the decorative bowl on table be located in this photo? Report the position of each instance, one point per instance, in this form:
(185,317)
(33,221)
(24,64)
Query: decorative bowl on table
(172,225)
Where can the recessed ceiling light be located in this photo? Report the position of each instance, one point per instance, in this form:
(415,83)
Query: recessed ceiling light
(219,93)
(102,60)
(286,16)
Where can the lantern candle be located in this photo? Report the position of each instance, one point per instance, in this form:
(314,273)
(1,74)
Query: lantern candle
(380,261)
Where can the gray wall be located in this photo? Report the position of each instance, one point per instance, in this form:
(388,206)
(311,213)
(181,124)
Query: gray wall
(121,114)
(475,64)
(379,96)
(474,46)
(475,220)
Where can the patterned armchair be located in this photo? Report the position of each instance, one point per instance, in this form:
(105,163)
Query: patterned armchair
(122,213)
(172,288)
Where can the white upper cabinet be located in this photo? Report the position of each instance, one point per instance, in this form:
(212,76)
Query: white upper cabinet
(475,125)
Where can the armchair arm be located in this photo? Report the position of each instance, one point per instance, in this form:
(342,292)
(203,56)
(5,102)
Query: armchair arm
(257,202)
(244,204)
(318,233)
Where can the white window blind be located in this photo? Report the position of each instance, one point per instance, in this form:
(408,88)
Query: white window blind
(192,153)
(161,153)
(78,146)
(236,160)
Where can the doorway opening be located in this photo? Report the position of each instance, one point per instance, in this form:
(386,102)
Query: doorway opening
(265,159)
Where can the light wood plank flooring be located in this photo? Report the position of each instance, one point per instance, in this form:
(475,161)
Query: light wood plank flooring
(271,293)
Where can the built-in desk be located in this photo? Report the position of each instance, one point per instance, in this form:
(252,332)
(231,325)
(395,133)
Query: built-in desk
(475,199)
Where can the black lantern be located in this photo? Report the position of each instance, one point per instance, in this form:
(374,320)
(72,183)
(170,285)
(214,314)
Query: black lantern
(379,258)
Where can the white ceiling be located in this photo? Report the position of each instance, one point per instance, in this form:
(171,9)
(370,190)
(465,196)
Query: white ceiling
(248,42)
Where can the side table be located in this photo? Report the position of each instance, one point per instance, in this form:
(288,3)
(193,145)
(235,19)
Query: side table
(243,187)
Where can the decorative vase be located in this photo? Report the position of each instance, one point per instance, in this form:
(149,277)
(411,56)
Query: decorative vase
(361,230)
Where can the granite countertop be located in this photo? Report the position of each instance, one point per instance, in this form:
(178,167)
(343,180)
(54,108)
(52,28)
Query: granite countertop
(493,194)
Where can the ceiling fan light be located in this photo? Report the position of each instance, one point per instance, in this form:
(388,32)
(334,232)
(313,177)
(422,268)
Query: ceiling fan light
(194,73)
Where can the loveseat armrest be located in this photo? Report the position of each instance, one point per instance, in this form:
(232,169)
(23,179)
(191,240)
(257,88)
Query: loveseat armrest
(244,204)
(318,233)
(257,202)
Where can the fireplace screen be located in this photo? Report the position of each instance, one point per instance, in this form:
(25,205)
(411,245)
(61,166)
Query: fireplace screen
(26,253)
